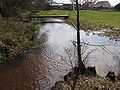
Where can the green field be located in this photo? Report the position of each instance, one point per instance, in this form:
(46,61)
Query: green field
(90,19)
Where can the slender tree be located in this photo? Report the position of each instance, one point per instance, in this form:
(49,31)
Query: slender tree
(80,63)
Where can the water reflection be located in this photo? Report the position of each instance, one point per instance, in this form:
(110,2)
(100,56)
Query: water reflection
(43,66)
(62,35)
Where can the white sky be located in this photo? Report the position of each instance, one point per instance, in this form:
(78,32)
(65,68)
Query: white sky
(112,2)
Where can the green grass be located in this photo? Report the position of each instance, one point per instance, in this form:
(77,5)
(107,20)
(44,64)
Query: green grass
(90,19)
(109,19)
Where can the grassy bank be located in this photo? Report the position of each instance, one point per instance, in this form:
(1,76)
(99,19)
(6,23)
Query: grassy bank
(15,36)
(91,19)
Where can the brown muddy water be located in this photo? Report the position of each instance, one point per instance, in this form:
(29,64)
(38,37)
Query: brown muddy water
(42,67)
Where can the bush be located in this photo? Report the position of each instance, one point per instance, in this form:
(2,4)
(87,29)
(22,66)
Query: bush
(24,14)
(15,36)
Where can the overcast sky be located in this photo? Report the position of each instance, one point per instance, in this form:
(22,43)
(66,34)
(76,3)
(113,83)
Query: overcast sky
(112,2)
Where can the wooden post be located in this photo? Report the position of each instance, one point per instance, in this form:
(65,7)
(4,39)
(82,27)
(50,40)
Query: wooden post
(80,63)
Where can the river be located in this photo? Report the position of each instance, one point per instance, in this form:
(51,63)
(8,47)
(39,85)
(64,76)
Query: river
(42,67)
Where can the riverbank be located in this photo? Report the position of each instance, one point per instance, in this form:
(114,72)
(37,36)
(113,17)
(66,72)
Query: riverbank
(15,37)
(88,83)
(107,22)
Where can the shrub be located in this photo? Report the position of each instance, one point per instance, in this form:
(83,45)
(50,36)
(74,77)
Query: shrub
(15,36)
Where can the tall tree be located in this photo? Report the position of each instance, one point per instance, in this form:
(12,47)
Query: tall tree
(11,7)
(117,7)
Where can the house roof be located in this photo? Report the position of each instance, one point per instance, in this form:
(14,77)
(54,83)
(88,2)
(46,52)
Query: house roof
(102,4)
(88,4)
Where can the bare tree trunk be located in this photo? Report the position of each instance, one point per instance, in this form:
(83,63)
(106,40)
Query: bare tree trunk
(81,67)
(80,63)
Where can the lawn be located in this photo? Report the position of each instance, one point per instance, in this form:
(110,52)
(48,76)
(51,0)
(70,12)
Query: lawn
(109,19)
(90,19)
